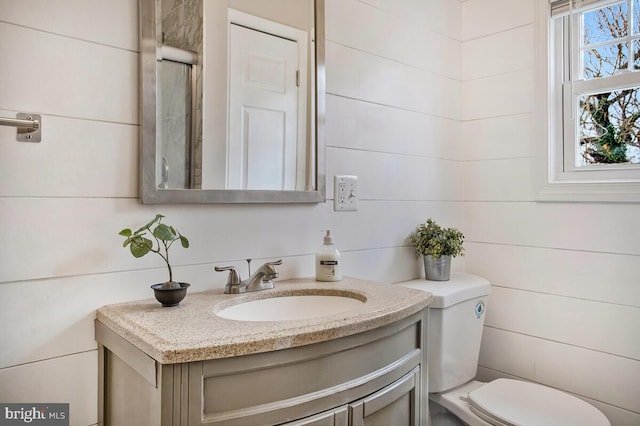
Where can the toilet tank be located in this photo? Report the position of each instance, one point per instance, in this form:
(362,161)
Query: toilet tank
(456,320)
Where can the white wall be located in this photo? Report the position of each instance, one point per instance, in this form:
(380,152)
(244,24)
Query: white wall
(392,119)
(565,306)
(565,303)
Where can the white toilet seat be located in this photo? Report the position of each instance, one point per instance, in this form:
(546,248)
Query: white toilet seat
(506,402)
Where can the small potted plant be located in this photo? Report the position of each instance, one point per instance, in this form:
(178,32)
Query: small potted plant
(437,245)
(157,237)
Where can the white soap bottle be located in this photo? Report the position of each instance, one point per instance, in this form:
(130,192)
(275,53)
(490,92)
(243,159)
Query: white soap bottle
(328,261)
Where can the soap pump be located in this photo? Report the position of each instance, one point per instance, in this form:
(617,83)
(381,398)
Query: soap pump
(328,261)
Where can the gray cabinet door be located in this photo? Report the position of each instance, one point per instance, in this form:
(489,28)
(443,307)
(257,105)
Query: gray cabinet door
(336,417)
(397,404)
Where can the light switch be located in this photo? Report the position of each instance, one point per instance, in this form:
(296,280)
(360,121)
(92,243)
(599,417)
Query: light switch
(345,193)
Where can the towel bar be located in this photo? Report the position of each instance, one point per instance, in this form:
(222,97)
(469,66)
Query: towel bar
(29,126)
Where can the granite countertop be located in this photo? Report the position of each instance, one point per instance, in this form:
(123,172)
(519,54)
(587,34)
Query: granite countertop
(193,332)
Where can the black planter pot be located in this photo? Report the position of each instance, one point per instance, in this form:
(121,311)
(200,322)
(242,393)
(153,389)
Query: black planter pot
(170,296)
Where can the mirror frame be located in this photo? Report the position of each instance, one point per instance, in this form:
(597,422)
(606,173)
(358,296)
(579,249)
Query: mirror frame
(151,194)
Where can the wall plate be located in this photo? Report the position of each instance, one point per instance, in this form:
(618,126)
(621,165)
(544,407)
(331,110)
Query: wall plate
(345,193)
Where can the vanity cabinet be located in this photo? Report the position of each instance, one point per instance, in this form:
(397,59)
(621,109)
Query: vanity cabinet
(376,377)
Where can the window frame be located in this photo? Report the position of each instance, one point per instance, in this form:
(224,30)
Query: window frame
(562,180)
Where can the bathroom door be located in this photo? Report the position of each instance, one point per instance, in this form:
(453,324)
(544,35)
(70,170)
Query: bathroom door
(263,105)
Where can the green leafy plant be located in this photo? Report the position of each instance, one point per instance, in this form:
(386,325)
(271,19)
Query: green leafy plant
(140,242)
(430,239)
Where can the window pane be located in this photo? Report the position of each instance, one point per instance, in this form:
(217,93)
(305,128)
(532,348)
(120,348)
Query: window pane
(604,24)
(605,61)
(609,126)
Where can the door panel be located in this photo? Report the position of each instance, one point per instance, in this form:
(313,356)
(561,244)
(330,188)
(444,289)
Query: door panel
(336,417)
(396,404)
(263,105)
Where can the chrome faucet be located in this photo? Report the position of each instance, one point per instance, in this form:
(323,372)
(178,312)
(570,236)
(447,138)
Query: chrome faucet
(260,280)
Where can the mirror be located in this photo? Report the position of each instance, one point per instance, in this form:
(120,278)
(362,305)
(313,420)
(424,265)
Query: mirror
(232,101)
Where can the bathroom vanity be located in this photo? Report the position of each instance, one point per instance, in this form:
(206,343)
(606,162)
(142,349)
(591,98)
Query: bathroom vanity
(189,366)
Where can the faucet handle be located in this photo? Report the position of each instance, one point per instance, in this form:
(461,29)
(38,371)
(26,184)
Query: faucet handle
(270,272)
(234,276)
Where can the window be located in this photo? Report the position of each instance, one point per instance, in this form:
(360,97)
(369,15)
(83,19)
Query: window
(594,66)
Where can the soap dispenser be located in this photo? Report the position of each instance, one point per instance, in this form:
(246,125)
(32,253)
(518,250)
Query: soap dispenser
(328,261)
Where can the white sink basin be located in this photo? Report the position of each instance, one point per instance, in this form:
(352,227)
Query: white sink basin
(288,308)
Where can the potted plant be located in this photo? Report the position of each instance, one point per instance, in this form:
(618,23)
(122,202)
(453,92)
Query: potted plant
(437,245)
(157,237)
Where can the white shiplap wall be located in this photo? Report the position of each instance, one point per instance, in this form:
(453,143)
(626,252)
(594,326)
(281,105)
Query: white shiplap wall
(565,303)
(392,119)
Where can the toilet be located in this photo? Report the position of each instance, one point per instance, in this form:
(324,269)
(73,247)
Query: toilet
(456,320)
